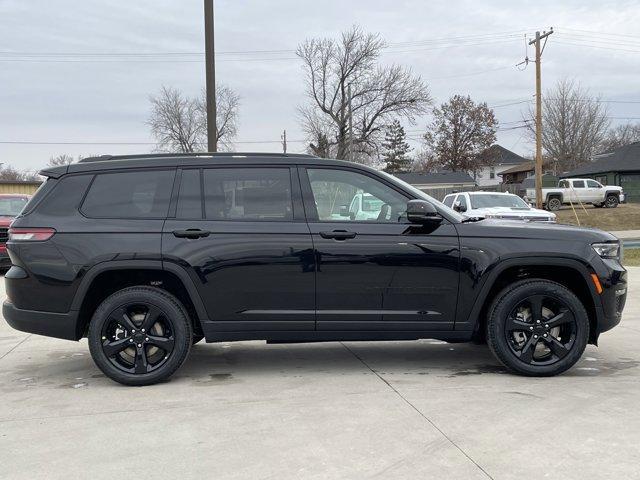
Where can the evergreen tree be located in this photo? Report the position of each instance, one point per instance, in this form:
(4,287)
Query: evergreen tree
(395,149)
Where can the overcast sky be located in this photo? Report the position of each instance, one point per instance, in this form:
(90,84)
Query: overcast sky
(92,96)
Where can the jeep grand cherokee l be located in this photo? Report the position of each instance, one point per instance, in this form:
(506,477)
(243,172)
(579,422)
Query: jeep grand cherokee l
(146,255)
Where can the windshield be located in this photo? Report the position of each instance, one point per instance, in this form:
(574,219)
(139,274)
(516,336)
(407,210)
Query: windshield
(488,201)
(420,194)
(12,206)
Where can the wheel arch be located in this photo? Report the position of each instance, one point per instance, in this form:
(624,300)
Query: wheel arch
(105,278)
(571,273)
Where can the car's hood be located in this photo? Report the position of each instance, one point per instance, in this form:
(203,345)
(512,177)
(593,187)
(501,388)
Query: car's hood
(515,212)
(533,230)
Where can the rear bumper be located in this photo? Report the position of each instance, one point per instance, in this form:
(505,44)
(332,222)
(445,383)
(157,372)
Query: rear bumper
(5,261)
(58,325)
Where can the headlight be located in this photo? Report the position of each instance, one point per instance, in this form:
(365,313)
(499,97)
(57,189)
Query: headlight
(607,250)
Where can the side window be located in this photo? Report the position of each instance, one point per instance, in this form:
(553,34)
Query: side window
(448,200)
(592,184)
(65,197)
(578,184)
(141,194)
(190,196)
(257,194)
(463,202)
(563,184)
(336,192)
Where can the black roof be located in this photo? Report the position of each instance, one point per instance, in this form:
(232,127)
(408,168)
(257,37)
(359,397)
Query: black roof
(501,156)
(622,159)
(112,162)
(434,178)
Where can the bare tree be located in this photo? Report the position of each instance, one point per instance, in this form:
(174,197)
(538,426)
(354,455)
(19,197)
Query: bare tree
(459,134)
(333,68)
(573,125)
(60,160)
(227,104)
(620,136)
(179,123)
(9,173)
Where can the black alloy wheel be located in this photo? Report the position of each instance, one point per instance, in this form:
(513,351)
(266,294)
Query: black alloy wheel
(554,204)
(537,328)
(137,338)
(140,335)
(612,201)
(540,330)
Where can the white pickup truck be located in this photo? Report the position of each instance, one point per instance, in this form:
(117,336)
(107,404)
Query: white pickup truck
(578,190)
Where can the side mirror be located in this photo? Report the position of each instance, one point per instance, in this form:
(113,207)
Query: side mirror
(344,211)
(422,212)
(458,207)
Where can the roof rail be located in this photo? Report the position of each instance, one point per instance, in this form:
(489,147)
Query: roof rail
(103,158)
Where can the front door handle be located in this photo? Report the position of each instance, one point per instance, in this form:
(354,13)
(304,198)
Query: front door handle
(338,234)
(191,233)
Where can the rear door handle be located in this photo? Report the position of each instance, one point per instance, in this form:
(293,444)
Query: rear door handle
(338,234)
(191,233)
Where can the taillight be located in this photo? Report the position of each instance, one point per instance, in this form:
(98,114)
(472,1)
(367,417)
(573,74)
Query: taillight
(30,234)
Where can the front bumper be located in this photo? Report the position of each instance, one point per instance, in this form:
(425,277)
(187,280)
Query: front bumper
(58,325)
(613,296)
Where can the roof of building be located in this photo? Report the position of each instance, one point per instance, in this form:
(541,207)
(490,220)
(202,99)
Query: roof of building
(622,159)
(446,177)
(523,167)
(499,155)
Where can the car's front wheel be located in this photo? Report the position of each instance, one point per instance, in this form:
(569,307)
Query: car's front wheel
(140,335)
(612,201)
(537,328)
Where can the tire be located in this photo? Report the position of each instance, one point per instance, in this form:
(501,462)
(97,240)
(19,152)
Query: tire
(514,338)
(554,204)
(128,353)
(612,201)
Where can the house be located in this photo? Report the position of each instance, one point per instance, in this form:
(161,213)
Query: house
(518,173)
(498,160)
(438,184)
(19,186)
(619,167)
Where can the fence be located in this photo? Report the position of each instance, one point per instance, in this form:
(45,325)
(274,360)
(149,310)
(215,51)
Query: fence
(440,193)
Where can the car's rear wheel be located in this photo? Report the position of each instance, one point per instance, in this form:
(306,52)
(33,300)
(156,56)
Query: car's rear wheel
(554,204)
(537,328)
(140,335)
(612,201)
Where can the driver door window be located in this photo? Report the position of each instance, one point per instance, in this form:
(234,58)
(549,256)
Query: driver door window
(345,196)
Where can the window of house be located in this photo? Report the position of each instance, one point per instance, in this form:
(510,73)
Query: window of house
(492,172)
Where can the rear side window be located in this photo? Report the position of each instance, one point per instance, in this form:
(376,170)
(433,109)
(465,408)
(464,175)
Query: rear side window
(448,201)
(578,184)
(141,194)
(255,194)
(65,198)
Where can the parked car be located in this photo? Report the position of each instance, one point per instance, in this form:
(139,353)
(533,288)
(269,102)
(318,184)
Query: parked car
(11,204)
(578,190)
(505,206)
(146,255)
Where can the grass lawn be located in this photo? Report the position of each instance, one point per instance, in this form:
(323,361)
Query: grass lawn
(631,257)
(625,217)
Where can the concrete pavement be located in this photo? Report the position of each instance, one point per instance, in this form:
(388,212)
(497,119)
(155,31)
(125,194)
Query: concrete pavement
(313,411)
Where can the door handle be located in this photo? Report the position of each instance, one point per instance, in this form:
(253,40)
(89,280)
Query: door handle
(338,234)
(191,233)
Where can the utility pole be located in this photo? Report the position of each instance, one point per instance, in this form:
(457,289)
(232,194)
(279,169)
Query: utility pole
(538,168)
(350,113)
(284,141)
(210,61)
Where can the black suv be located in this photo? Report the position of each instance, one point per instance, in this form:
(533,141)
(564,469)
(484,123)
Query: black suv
(146,255)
